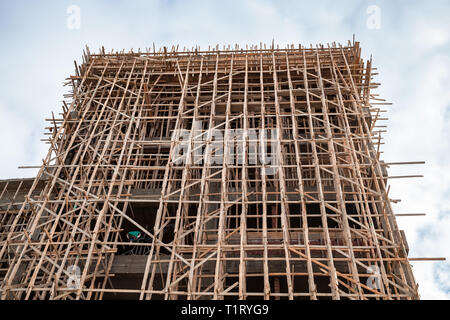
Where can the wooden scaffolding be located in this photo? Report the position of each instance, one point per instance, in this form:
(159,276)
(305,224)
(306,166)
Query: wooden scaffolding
(168,143)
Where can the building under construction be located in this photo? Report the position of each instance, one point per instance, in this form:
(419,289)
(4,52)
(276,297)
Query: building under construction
(219,174)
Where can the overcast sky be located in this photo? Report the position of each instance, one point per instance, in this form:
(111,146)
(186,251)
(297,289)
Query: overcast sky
(410,46)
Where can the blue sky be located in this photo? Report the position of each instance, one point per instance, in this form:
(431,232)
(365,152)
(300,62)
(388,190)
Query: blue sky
(410,49)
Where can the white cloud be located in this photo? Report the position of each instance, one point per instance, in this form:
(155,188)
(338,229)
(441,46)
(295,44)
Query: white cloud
(432,37)
(15,137)
(418,130)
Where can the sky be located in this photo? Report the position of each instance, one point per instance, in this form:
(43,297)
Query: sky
(408,40)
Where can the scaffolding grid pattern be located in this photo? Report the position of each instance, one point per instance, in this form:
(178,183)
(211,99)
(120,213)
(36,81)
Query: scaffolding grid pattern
(316,224)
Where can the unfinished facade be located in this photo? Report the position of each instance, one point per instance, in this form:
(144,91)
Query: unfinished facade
(248,174)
